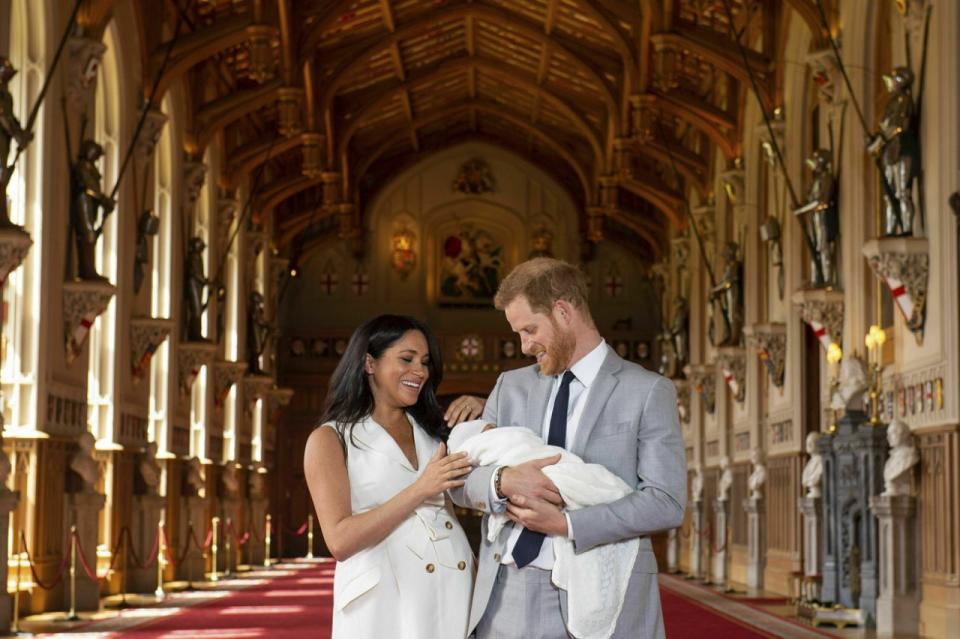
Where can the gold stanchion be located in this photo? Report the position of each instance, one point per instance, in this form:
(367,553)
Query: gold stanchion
(161,563)
(266,542)
(213,549)
(228,556)
(15,626)
(72,615)
(310,536)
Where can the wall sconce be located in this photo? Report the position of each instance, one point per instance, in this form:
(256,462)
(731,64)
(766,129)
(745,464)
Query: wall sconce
(404,257)
(874,341)
(834,356)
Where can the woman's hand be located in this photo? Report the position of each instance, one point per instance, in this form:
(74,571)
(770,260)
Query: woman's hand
(464,408)
(443,472)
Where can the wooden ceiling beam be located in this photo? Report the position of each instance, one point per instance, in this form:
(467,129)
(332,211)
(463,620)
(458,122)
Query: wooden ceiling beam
(215,116)
(659,196)
(248,157)
(387,12)
(725,138)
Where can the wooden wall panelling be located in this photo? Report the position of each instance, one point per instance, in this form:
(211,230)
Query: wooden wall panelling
(784,541)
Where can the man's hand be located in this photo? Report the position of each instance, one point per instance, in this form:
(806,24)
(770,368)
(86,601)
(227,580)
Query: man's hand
(537,515)
(464,408)
(528,481)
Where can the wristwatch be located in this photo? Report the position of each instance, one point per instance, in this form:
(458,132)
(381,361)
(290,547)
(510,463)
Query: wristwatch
(498,474)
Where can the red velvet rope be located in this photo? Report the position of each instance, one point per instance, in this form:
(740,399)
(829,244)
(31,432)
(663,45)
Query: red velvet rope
(33,571)
(206,542)
(238,538)
(92,573)
(298,532)
(153,554)
(166,549)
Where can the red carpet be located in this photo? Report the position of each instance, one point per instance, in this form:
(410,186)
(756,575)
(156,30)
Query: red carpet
(686,618)
(291,606)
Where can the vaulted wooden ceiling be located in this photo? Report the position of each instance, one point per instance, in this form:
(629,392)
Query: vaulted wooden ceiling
(322,101)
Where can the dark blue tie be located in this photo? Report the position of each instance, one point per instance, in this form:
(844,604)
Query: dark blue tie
(528,543)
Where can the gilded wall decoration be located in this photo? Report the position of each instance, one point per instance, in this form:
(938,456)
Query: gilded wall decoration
(469,267)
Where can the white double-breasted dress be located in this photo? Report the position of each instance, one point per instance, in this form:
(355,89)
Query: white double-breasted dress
(417,582)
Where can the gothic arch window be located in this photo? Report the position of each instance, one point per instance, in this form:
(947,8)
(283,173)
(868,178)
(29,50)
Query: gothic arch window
(101,380)
(21,291)
(160,280)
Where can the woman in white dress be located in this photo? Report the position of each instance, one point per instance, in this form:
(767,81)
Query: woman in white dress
(377,470)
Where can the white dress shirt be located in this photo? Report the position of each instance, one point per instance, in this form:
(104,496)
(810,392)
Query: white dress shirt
(585,372)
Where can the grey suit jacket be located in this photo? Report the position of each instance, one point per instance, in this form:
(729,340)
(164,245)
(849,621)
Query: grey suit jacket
(630,425)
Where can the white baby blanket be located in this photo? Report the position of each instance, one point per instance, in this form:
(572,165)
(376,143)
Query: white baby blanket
(596,580)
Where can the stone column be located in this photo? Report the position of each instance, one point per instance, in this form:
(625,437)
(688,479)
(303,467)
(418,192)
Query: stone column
(83,510)
(8,501)
(812,554)
(898,599)
(673,550)
(756,542)
(147,511)
(719,551)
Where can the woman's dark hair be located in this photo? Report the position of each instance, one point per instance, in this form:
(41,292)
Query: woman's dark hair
(349,398)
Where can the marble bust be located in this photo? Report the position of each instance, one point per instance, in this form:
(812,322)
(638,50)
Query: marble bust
(231,482)
(696,484)
(150,468)
(83,463)
(897,471)
(726,479)
(195,476)
(853,384)
(813,470)
(758,476)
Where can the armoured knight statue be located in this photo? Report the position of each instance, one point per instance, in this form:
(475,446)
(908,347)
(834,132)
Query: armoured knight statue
(85,204)
(728,293)
(10,131)
(897,148)
(258,330)
(195,289)
(823,227)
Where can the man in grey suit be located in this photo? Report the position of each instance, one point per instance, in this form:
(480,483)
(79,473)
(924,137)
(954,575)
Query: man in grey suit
(581,395)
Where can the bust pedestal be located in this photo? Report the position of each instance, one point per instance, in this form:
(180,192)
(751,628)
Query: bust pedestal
(83,509)
(756,542)
(147,510)
(258,516)
(810,509)
(719,573)
(898,599)
(8,501)
(696,549)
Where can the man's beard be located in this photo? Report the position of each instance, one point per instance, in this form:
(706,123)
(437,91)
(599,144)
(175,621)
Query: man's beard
(558,354)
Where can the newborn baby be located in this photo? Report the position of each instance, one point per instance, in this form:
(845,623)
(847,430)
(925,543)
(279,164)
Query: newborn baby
(601,574)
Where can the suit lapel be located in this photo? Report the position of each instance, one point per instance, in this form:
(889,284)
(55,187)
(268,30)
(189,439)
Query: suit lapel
(537,398)
(597,397)
(377,439)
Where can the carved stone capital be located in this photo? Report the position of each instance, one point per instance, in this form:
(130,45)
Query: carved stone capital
(278,397)
(15,244)
(778,126)
(225,375)
(83,302)
(289,101)
(312,150)
(256,387)
(191,357)
(153,125)
(903,263)
(734,185)
(683,399)
(262,59)
(822,309)
(770,340)
(83,60)
(703,380)
(146,335)
(194,175)
(732,362)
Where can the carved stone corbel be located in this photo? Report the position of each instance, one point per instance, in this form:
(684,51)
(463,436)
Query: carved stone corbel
(225,375)
(262,60)
(770,340)
(289,110)
(15,244)
(278,397)
(822,309)
(255,387)
(194,175)
(191,357)
(83,302)
(153,125)
(734,185)
(83,61)
(146,336)
(778,125)
(732,362)
(826,76)
(683,399)
(903,263)
(312,151)
(703,380)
